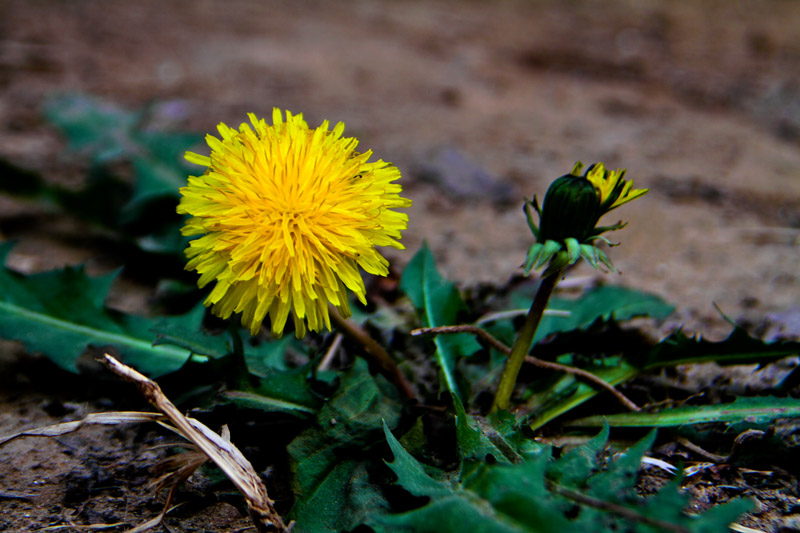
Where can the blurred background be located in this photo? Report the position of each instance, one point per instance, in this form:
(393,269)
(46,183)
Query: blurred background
(480,104)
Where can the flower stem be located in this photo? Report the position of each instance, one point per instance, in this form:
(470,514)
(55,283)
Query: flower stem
(374,352)
(502,348)
(522,344)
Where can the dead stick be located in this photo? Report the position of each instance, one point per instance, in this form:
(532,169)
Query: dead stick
(500,347)
(227,456)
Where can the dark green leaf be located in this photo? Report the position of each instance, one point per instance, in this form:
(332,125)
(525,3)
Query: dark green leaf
(98,128)
(477,438)
(575,466)
(740,348)
(186,332)
(616,482)
(439,303)
(758,410)
(567,392)
(285,391)
(107,133)
(601,303)
(326,456)
(61,313)
(572,494)
(410,473)
(677,349)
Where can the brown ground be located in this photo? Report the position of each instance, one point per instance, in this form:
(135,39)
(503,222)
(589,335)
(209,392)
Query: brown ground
(699,100)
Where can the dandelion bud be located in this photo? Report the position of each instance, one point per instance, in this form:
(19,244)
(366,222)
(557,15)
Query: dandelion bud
(568,219)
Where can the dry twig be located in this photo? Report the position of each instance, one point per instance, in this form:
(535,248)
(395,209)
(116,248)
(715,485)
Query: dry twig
(227,457)
(500,347)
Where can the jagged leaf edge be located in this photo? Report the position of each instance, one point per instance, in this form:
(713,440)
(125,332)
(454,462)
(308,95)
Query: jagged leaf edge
(33,325)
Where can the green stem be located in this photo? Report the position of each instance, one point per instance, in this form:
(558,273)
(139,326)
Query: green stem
(524,339)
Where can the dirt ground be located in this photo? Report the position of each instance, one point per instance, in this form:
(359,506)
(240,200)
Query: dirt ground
(479,104)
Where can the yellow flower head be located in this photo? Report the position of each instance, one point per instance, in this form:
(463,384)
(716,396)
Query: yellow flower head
(286,216)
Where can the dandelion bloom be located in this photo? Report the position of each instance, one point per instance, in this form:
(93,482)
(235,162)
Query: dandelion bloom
(286,215)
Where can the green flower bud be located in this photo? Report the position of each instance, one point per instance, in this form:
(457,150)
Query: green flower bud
(568,219)
(571,209)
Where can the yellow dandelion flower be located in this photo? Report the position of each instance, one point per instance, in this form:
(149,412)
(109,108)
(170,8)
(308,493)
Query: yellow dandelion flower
(285,216)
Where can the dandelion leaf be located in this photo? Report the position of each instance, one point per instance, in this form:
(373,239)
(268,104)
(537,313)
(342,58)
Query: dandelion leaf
(605,304)
(331,459)
(62,312)
(480,440)
(439,303)
(677,349)
(106,134)
(575,493)
(280,391)
(757,411)
(577,464)
(740,348)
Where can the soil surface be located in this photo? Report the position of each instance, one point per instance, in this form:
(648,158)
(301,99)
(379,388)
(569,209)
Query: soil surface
(479,104)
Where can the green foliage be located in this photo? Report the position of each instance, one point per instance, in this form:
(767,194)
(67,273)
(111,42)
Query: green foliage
(567,392)
(539,493)
(330,460)
(757,410)
(740,348)
(114,139)
(107,133)
(60,313)
(606,303)
(284,391)
(479,439)
(439,304)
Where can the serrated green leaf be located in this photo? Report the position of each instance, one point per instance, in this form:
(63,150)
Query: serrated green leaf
(185,332)
(740,348)
(477,439)
(452,513)
(573,494)
(324,457)
(344,499)
(99,128)
(720,516)
(757,410)
(494,498)
(519,494)
(575,466)
(616,482)
(600,303)
(410,473)
(107,133)
(439,304)
(507,428)
(451,508)
(60,313)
